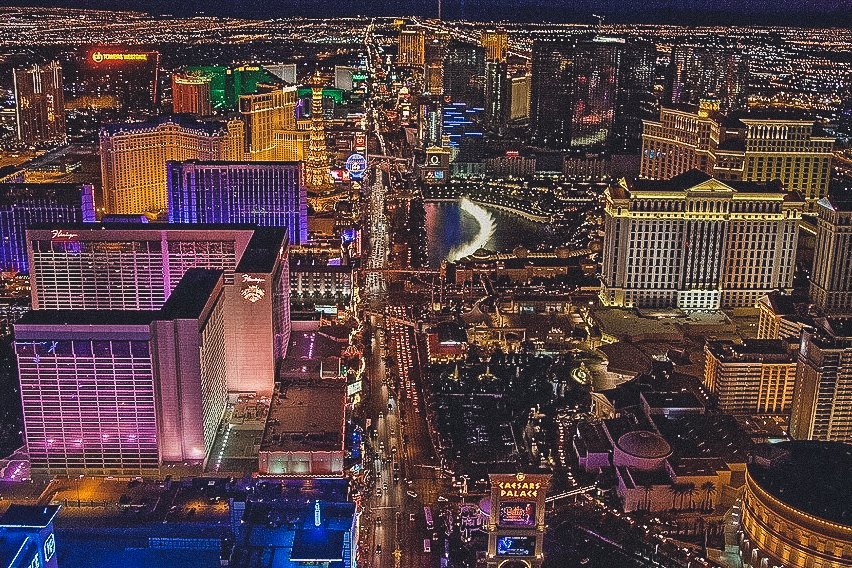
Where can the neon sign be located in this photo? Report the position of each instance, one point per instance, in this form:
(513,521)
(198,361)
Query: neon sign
(49,547)
(60,234)
(100,57)
(252,279)
(517,514)
(253,293)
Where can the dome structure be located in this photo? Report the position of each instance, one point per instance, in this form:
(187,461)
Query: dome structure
(641,449)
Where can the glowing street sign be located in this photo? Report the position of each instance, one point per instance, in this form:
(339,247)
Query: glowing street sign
(356,165)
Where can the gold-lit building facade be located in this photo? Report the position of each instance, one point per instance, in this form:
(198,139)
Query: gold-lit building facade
(755,377)
(134,156)
(742,148)
(791,507)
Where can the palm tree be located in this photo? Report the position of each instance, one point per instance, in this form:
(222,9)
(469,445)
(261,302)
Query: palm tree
(689,491)
(647,488)
(709,489)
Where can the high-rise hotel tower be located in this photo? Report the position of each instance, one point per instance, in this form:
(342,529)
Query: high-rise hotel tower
(697,243)
(134,156)
(110,392)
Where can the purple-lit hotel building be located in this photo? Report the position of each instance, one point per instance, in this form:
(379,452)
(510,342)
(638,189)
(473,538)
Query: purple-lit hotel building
(22,204)
(136,266)
(117,392)
(267,194)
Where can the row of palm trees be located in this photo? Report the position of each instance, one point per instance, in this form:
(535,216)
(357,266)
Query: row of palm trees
(683,496)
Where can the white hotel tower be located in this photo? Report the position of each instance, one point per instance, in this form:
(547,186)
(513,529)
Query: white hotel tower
(697,243)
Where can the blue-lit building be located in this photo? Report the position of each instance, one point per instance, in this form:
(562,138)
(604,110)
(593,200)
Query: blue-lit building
(267,194)
(290,531)
(24,204)
(26,537)
(461,122)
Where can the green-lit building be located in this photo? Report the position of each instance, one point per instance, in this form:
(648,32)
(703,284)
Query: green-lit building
(228,83)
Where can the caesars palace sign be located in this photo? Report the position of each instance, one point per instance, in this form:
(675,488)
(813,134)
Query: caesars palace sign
(519,487)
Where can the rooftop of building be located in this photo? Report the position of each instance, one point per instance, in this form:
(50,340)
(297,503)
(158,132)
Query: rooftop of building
(192,293)
(644,444)
(187,301)
(306,416)
(705,436)
(143,226)
(810,476)
(839,198)
(28,516)
(238,163)
(753,351)
(87,317)
(19,193)
(692,178)
(263,250)
(672,400)
(835,327)
(317,545)
(449,332)
(206,127)
(593,437)
(781,304)
(698,467)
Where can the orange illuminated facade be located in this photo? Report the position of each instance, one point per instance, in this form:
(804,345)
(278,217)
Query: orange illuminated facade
(191,94)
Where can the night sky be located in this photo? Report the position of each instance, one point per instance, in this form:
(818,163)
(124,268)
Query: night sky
(790,12)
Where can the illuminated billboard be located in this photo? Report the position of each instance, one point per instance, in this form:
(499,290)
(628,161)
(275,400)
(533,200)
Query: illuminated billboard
(100,56)
(517,514)
(516,546)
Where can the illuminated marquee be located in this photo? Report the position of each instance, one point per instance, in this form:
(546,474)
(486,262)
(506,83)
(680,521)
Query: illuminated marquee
(519,489)
(100,57)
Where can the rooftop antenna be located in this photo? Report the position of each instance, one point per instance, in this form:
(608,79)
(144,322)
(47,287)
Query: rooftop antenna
(600,22)
(439,10)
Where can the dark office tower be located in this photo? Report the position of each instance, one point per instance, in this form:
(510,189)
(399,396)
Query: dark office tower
(24,204)
(120,78)
(464,67)
(697,73)
(595,86)
(39,104)
(551,93)
(844,117)
(497,95)
(635,101)
(267,194)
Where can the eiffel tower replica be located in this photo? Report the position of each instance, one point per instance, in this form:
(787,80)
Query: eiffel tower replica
(317,174)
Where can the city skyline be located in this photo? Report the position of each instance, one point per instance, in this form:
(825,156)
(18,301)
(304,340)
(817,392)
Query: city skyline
(828,13)
(406,292)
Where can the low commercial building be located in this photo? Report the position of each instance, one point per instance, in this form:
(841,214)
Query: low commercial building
(26,537)
(304,432)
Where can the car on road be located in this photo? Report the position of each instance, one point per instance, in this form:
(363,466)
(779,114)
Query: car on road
(411,517)
(427,545)
(378,549)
